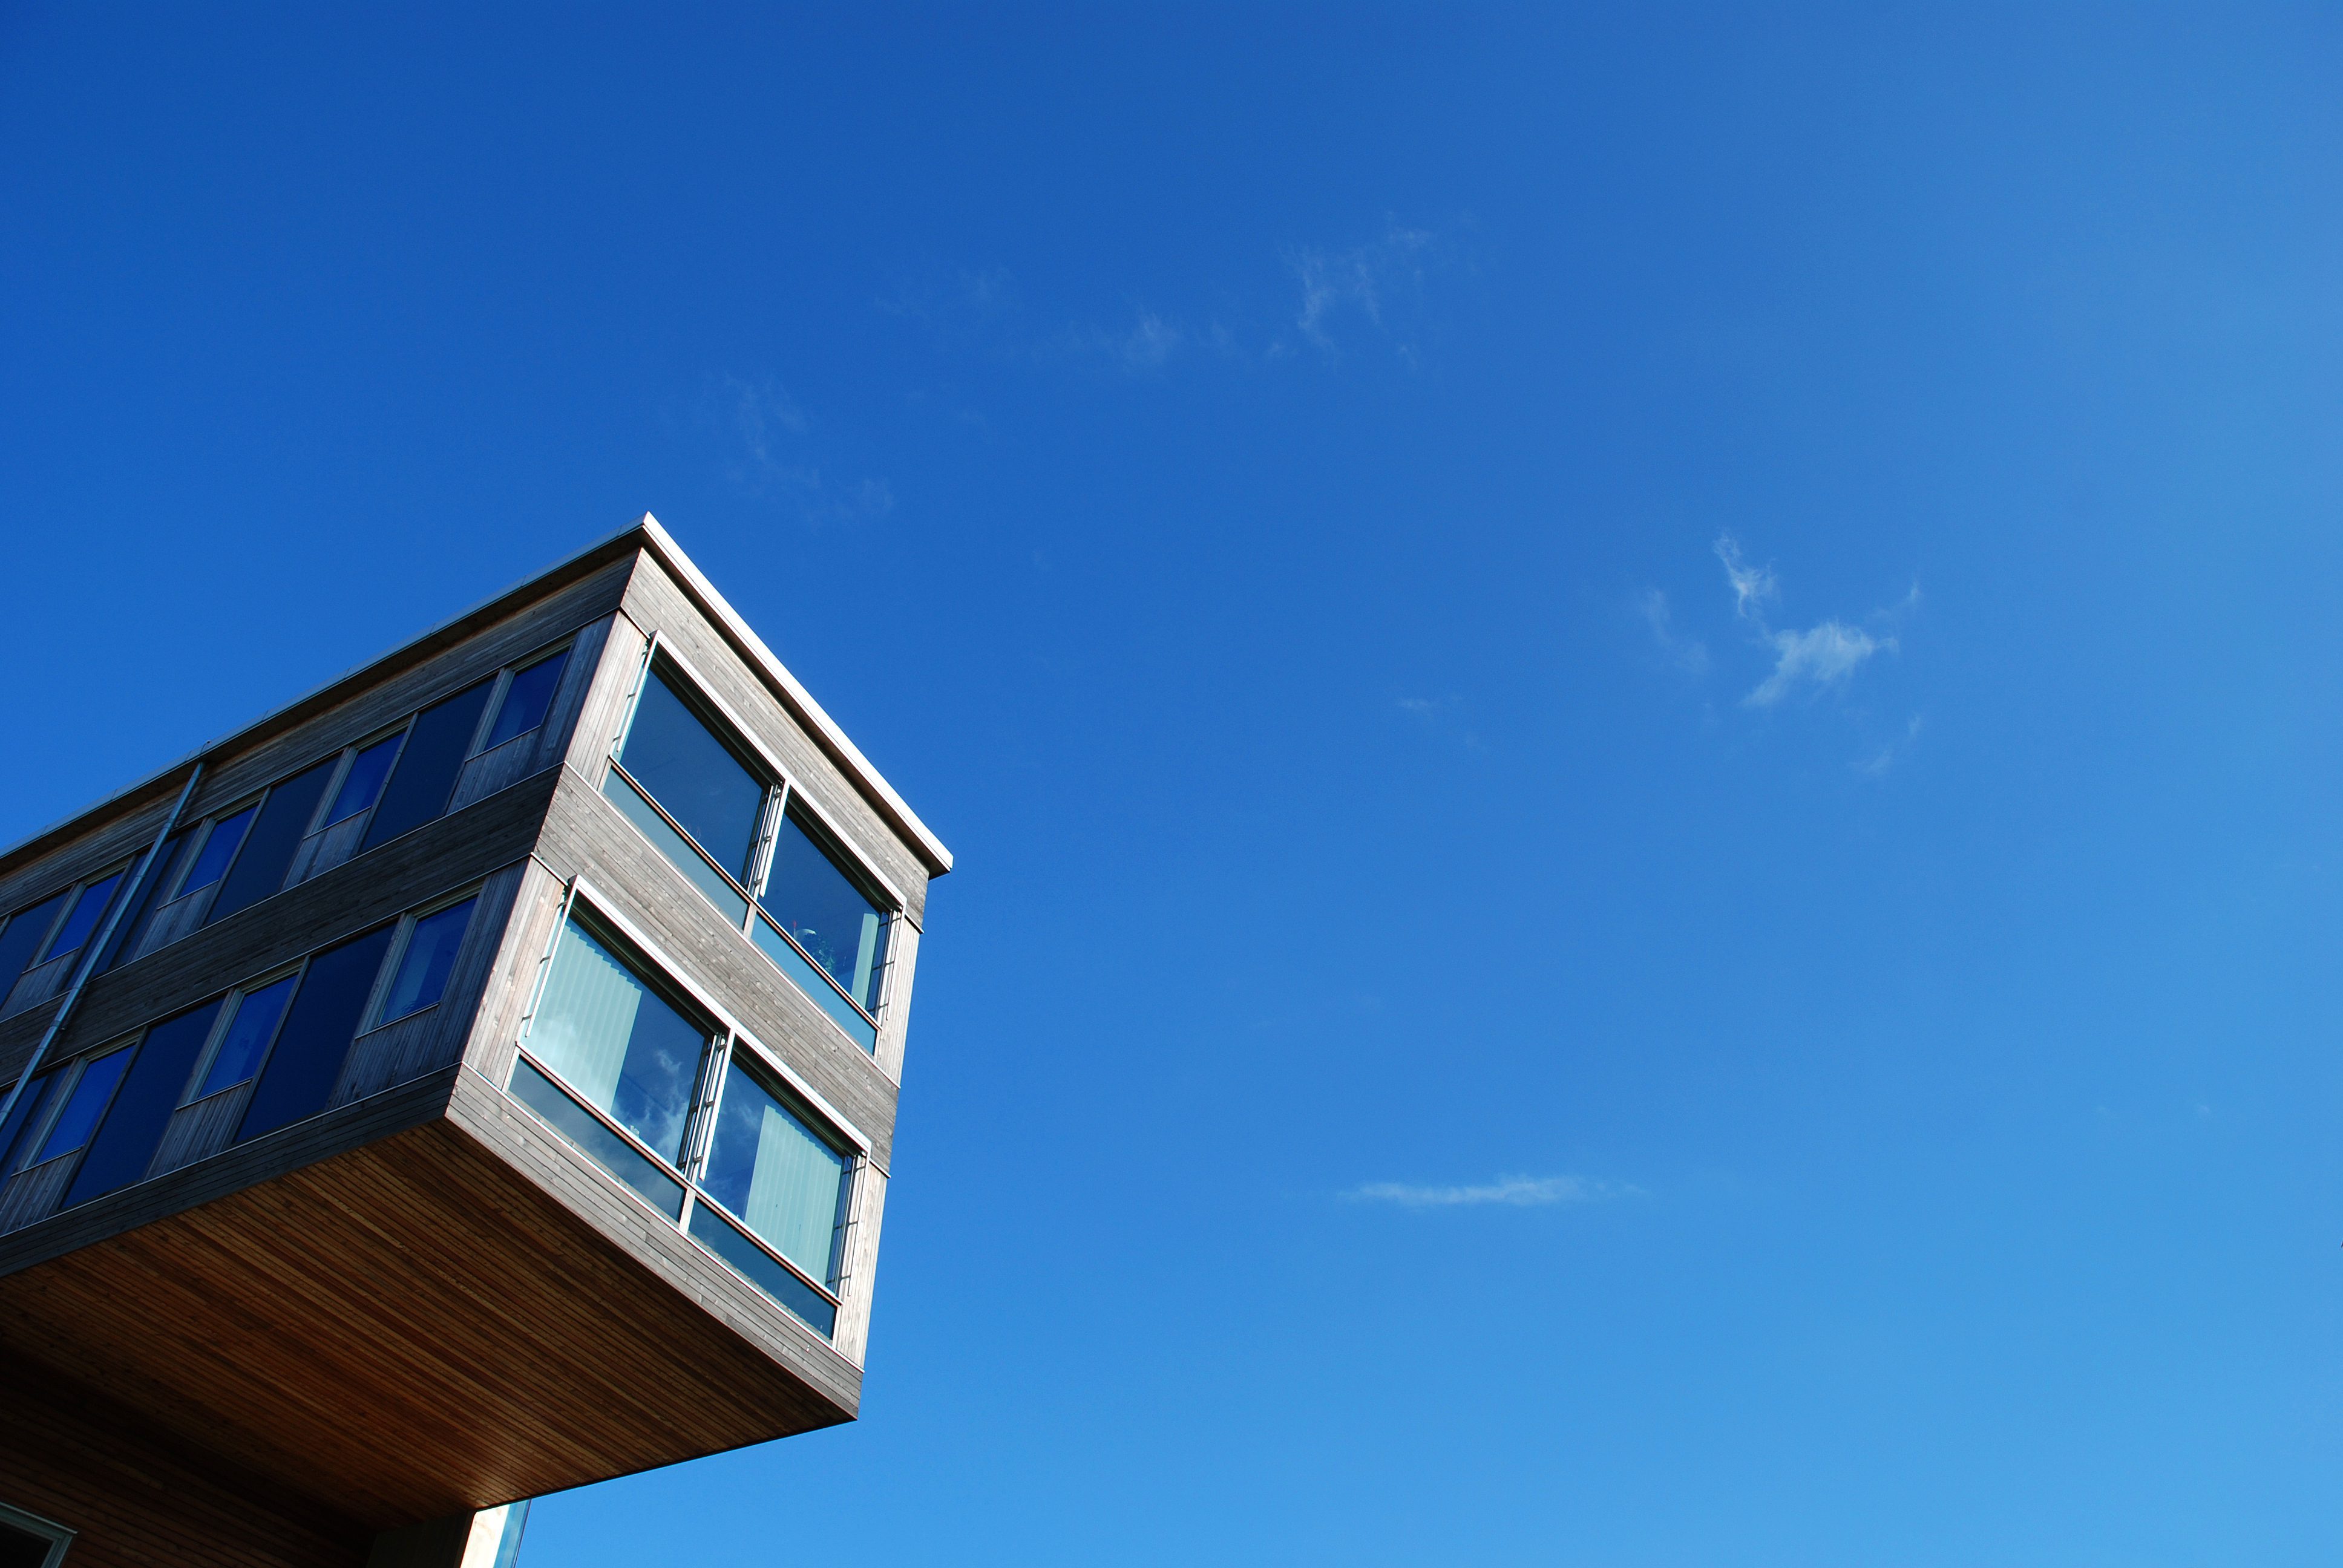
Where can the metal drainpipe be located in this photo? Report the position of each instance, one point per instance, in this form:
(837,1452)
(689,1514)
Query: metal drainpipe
(96,946)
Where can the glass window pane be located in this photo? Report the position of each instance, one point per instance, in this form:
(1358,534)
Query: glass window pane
(363,782)
(133,927)
(220,846)
(527,698)
(597,1143)
(768,1167)
(424,778)
(675,847)
(27,1111)
(247,1037)
(617,1042)
(807,979)
(301,1071)
(84,1106)
(431,954)
(269,847)
(814,900)
(716,1233)
(88,910)
(24,935)
(694,776)
(133,1130)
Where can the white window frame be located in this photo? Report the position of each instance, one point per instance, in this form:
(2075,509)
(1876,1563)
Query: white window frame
(59,1537)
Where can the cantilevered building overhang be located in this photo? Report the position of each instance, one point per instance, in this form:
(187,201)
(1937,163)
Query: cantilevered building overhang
(476,1079)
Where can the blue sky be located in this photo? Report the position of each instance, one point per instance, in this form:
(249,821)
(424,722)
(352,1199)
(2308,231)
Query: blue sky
(1640,711)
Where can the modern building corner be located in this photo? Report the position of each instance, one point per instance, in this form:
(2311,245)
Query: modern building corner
(475,1080)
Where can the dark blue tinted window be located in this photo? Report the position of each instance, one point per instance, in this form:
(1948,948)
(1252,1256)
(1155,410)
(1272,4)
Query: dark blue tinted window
(426,775)
(219,848)
(22,938)
(88,910)
(363,782)
(300,1074)
(423,968)
(82,1109)
(247,1037)
(527,698)
(268,847)
(135,921)
(815,900)
(597,1143)
(133,1130)
(28,1107)
(694,776)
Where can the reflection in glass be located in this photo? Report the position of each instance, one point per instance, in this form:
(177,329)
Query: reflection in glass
(247,1037)
(88,910)
(677,849)
(133,1129)
(721,1237)
(219,847)
(768,1167)
(431,954)
(815,900)
(694,776)
(22,938)
(425,779)
(527,699)
(28,1109)
(363,782)
(84,1106)
(599,1144)
(617,1042)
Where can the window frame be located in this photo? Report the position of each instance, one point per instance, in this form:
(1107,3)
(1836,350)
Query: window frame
(385,982)
(318,824)
(230,1005)
(496,708)
(782,791)
(60,1537)
(602,919)
(206,828)
(73,902)
(36,1134)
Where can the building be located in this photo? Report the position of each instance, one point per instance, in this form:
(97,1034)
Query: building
(473,1080)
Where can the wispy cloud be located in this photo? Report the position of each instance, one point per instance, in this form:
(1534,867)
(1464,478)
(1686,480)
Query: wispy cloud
(1822,655)
(1363,279)
(1507,1192)
(1752,586)
(1876,764)
(774,454)
(1688,654)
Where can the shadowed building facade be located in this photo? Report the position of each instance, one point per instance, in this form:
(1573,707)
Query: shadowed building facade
(476,1079)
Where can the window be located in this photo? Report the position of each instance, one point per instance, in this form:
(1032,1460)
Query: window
(220,846)
(29,1540)
(157,1069)
(431,954)
(269,843)
(362,785)
(88,908)
(812,895)
(297,1077)
(129,932)
(528,698)
(92,1091)
(424,778)
(702,798)
(27,932)
(614,1060)
(27,1114)
(250,1029)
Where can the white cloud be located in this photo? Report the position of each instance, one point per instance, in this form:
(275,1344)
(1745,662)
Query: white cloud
(1509,1191)
(1875,764)
(1688,654)
(775,454)
(1752,586)
(1362,278)
(1821,656)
